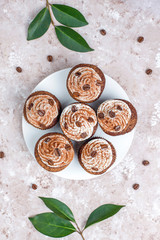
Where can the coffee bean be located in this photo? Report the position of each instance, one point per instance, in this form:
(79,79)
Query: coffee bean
(140,39)
(117,128)
(19,69)
(74,108)
(57,152)
(34,186)
(119,108)
(65,126)
(90,119)
(67,147)
(76,94)
(104,146)
(145,162)
(135,186)
(99,83)
(78,74)
(30,106)
(86,87)
(148,71)
(111,114)
(103,32)
(42,125)
(49,58)
(93,154)
(2,154)
(41,113)
(51,102)
(47,140)
(83,135)
(78,124)
(101,115)
(95,168)
(50,162)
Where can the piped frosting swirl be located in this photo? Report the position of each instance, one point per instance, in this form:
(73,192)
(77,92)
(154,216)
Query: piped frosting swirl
(54,151)
(85,84)
(78,121)
(114,115)
(96,156)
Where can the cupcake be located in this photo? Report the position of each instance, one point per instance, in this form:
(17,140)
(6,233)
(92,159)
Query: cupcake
(54,152)
(42,110)
(85,83)
(96,155)
(117,117)
(78,121)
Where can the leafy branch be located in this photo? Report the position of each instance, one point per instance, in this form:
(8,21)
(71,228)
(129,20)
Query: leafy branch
(66,15)
(58,224)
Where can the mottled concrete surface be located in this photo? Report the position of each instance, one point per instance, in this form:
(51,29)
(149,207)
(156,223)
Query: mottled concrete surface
(124,59)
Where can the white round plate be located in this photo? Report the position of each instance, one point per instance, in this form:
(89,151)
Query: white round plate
(56,84)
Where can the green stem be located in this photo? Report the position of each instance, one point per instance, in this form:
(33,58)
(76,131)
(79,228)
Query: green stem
(49,8)
(79,231)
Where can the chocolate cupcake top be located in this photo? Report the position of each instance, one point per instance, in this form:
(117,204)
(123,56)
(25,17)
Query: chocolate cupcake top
(41,109)
(54,151)
(78,121)
(97,155)
(85,82)
(114,115)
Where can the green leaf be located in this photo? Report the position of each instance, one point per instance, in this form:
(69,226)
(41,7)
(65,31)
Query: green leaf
(101,213)
(52,225)
(58,207)
(68,16)
(39,25)
(71,39)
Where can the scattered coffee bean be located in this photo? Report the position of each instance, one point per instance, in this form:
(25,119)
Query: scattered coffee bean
(148,71)
(86,87)
(78,74)
(93,154)
(19,69)
(101,115)
(65,126)
(140,39)
(103,32)
(83,135)
(42,125)
(104,146)
(117,128)
(41,113)
(78,124)
(119,108)
(90,119)
(111,114)
(135,186)
(74,108)
(95,168)
(49,58)
(34,186)
(76,94)
(145,162)
(57,152)
(67,147)
(47,140)
(30,106)
(2,154)
(51,102)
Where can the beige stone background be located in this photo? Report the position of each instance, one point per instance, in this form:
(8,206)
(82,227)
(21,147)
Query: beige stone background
(120,56)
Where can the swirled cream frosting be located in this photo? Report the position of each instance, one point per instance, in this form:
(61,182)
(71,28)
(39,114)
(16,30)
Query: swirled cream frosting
(96,156)
(54,151)
(114,115)
(78,121)
(41,110)
(85,84)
